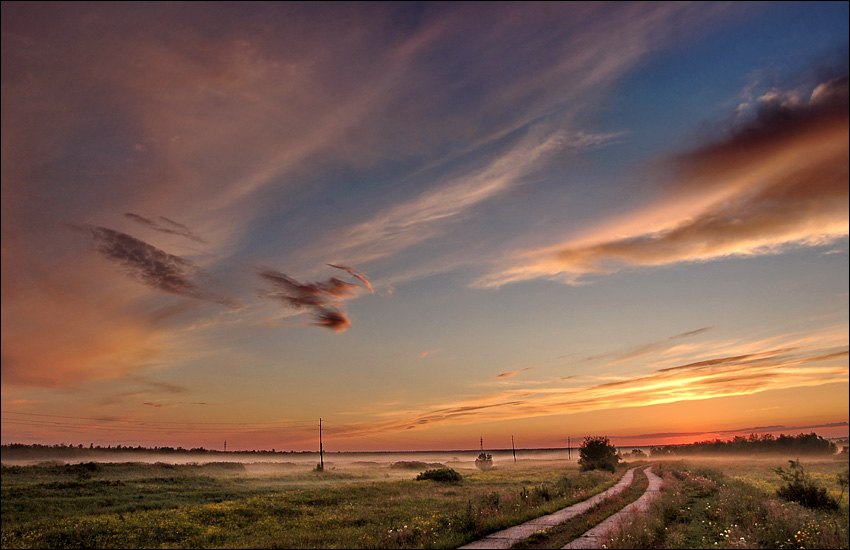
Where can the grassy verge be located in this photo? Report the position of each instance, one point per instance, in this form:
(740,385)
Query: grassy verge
(167,506)
(704,508)
(568,531)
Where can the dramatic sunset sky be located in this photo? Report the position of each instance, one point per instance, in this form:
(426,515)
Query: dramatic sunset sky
(425,223)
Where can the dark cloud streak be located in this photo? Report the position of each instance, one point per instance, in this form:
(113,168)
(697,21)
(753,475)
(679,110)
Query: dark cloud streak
(778,121)
(321,298)
(356,274)
(334,319)
(173,228)
(690,333)
(152,266)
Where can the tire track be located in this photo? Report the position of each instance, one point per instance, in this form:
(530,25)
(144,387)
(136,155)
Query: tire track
(510,536)
(593,537)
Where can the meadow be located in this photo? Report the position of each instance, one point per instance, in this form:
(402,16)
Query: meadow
(732,503)
(370,504)
(225,505)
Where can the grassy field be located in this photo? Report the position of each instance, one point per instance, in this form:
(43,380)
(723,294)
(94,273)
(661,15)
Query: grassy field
(372,505)
(218,505)
(723,503)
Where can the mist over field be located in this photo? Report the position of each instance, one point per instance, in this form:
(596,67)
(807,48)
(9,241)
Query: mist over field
(461,458)
(26,455)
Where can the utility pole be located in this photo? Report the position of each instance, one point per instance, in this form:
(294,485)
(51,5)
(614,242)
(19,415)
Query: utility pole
(321,449)
(225,445)
(513,448)
(569,449)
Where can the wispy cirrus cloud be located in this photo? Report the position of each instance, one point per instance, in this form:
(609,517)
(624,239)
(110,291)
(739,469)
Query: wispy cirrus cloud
(671,343)
(513,373)
(561,85)
(211,119)
(778,181)
(426,216)
(165,225)
(726,376)
(654,347)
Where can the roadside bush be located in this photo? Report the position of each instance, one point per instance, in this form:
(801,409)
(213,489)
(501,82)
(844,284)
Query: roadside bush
(597,453)
(801,488)
(445,475)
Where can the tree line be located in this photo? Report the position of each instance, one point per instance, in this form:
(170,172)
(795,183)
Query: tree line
(19,451)
(802,444)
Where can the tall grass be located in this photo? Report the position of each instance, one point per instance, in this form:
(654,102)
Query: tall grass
(703,508)
(164,506)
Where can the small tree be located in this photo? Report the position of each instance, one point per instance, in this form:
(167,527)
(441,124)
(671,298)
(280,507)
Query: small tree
(484,461)
(843,481)
(636,454)
(801,488)
(597,453)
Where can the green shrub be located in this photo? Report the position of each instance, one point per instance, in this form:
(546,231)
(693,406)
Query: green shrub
(801,488)
(597,453)
(446,475)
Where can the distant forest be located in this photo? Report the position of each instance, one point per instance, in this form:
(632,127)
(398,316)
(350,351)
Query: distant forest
(802,444)
(20,451)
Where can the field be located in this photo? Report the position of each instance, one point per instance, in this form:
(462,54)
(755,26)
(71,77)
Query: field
(731,503)
(370,504)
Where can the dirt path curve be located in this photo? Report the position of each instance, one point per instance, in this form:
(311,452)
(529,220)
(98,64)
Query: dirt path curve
(593,538)
(510,536)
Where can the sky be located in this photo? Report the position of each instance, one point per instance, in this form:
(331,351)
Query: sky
(424,223)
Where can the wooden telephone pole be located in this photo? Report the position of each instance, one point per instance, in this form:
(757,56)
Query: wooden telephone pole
(513,448)
(321,449)
(569,449)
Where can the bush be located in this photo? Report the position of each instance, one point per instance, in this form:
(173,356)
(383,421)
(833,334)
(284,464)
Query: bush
(484,461)
(597,453)
(801,488)
(445,475)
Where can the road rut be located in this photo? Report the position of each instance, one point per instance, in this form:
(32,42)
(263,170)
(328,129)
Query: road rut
(510,536)
(593,537)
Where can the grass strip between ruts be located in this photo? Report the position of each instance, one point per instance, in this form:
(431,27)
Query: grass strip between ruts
(566,532)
